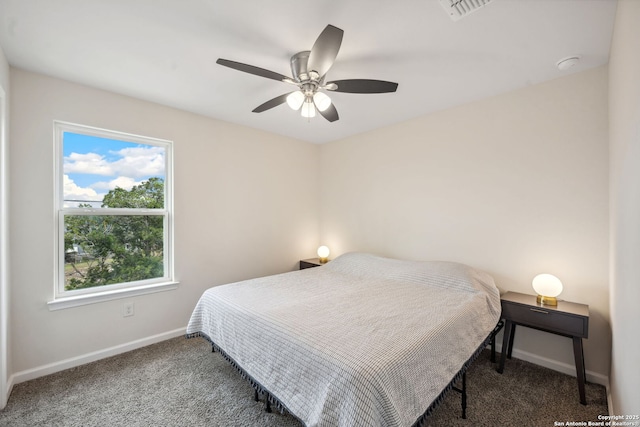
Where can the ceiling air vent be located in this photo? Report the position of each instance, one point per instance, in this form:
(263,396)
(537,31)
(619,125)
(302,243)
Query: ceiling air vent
(458,9)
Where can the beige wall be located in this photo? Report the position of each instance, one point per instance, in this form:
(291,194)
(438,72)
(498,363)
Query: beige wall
(516,185)
(242,209)
(624,122)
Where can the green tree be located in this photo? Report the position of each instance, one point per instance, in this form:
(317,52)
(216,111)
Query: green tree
(149,195)
(109,249)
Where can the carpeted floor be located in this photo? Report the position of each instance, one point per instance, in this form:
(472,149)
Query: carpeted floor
(179,382)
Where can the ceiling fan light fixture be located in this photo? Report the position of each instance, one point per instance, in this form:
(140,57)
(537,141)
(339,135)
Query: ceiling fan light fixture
(308,110)
(309,69)
(295,100)
(322,101)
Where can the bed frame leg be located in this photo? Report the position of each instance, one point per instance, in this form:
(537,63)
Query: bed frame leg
(463,392)
(464,396)
(256,396)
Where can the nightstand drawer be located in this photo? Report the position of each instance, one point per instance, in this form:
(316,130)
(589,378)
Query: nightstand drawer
(546,319)
(310,263)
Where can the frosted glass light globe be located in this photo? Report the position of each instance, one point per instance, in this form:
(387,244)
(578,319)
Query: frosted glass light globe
(308,110)
(323,254)
(322,101)
(548,287)
(295,100)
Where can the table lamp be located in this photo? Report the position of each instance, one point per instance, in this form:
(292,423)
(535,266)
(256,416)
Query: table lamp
(548,287)
(323,254)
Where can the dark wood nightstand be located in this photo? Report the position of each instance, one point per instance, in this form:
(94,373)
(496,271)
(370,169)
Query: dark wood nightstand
(567,319)
(309,263)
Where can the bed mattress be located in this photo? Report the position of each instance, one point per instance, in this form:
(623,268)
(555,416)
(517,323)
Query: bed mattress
(362,340)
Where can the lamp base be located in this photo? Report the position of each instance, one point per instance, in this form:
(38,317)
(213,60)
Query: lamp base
(324,260)
(552,301)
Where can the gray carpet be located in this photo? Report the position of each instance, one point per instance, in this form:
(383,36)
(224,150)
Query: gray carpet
(179,382)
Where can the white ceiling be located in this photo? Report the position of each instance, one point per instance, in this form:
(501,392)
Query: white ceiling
(165,51)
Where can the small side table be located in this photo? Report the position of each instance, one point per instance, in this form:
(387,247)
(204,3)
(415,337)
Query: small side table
(567,319)
(310,263)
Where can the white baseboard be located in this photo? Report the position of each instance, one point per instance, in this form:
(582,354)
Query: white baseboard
(8,389)
(610,402)
(51,368)
(565,368)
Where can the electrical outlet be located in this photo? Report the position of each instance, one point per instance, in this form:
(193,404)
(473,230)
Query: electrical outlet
(127,310)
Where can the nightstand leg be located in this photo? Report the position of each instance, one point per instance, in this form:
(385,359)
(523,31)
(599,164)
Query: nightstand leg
(508,326)
(578,353)
(511,339)
(497,329)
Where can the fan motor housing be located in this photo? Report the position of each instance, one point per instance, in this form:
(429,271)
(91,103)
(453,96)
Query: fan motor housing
(299,66)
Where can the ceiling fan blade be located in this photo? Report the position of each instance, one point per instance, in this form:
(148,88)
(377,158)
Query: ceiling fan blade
(330,113)
(325,50)
(362,86)
(271,103)
(257,71)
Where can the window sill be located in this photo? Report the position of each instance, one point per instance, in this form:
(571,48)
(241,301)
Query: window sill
(76,301)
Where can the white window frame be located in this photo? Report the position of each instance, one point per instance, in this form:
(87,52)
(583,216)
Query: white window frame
(65,299)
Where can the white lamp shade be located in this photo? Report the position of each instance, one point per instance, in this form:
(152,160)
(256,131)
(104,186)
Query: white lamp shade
(308,110)
(323,252)
(295,100)
(547,285)
(322,101)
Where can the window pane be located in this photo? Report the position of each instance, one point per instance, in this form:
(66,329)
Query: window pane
(101,172)
(108,249)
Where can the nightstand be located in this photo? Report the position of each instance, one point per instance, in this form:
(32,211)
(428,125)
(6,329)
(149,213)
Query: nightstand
(309,263)
(567,319)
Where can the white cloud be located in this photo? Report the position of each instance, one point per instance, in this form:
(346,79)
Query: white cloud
(74,194)
(91,163)
(141,161)
(133,162)
(123,182)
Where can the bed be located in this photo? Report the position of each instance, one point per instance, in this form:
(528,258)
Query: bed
(363,340)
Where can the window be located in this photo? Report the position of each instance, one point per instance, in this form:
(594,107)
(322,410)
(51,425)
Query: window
(114,202)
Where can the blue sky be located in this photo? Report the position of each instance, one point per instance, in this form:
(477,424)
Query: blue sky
(93,165)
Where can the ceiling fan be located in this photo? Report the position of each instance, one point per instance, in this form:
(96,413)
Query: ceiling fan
(309,68)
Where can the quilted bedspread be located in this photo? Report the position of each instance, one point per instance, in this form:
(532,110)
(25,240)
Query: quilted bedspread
(360,341)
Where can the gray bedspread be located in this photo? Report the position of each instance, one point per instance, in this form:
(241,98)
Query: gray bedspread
(360,341)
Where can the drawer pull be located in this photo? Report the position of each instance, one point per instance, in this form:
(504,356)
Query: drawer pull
(539,311)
